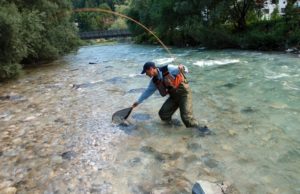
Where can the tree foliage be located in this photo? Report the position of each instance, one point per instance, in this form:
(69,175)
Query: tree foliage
(214,23)
(32,31)
(90,21)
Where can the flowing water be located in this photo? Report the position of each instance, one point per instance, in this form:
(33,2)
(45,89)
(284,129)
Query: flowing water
(56,134)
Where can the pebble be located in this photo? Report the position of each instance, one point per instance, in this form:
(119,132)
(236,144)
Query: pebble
(227,147)
(205,187)
(57,160)
(17,141)
(211,163)
(193,146)
(69,155)
(29,118)
(5,184)
(9,190)
(232,132)
(161,190)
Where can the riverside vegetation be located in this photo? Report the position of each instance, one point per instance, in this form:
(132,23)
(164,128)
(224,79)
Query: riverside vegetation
(40,31)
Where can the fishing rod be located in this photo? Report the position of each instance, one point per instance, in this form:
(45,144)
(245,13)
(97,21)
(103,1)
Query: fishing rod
(127,17)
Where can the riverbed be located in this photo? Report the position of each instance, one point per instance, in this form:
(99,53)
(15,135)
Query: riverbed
(57,136)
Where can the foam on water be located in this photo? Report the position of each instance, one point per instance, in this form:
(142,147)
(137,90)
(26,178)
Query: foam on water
(290,86)
(203,63)
(162,61)
(277,76)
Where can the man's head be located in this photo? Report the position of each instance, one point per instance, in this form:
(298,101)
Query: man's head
(150,69)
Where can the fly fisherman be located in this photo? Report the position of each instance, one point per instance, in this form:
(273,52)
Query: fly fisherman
(170,80)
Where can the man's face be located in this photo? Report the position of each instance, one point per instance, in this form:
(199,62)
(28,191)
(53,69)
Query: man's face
(151,72)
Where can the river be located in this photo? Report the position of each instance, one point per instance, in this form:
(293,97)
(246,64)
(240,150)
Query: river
(56,134)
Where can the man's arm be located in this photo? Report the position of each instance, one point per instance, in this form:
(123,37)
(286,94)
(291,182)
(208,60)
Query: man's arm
(174,70)
(146,94)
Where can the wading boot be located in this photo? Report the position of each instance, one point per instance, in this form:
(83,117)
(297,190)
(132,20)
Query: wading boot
(204,130)
(174,122)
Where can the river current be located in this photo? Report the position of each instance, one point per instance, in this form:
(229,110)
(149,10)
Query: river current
(56,133)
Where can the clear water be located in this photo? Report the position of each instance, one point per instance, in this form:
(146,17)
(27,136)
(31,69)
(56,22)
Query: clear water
(251,100)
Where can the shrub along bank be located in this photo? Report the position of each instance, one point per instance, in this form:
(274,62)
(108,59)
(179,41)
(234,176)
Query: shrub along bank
(34,31)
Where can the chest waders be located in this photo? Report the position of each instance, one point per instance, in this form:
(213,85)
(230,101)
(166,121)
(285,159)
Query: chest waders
(180,97)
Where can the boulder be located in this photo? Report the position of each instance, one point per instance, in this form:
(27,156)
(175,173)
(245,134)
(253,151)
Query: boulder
(205,187)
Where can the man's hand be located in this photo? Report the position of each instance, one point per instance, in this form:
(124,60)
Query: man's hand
(182,68)
(135,104)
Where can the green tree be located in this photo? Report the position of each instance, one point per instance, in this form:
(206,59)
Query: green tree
(178,22)
(90,21)
(34,31)
(12,49)
(238,12)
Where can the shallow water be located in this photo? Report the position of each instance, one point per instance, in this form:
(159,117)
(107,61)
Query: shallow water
(56,134)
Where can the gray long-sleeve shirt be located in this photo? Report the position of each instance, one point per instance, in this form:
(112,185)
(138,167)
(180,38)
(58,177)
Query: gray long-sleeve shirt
(152,87)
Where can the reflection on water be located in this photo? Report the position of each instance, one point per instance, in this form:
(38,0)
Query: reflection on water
(56,134)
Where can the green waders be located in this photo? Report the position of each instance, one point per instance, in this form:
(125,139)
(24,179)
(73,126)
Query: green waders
(182,99)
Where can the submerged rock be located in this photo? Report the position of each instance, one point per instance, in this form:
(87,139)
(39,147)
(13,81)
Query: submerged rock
(13,97)
(59,120)
(248,110)
(148,149)
(5,115)
(105,187)
(134,161)
(17,98)
(193,146)
(229,85)
(84,85)
(69,155)
(205,187)
(211,163)
(190,159)
(57,160)
(159,155)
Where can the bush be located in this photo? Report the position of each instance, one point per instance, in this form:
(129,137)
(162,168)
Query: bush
(34,31)
(265,35)
(12,48)
(9,70)
(213,37)
(293,39)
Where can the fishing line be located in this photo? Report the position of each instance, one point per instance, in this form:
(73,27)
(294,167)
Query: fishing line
(127,17)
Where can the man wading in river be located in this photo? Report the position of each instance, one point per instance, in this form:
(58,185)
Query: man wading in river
(171,80)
